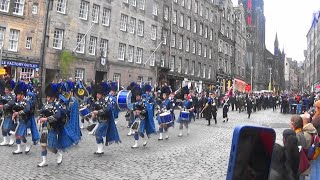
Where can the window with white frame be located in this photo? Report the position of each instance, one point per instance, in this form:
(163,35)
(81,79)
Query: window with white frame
(149,80)
(106,13)
(140,80)
(13,40)
(84,10)
(139,55)
(79,74)
(140,28)
(81,44)
(57,39)
(194,47)
(155,8)
(204,71)
(200,29)
(193,67)
(123,22)
(35,8)
(153,58)
(153,32)
(201,10)
(186,67)
(130,54)
(116,78)
(199,69)
(174,17)
(61,6)
(2,33)
(205,51)
(121,51)
(189,23)
(166,13)
(95,13)
(26,73)
(132,25)
(104,47)
(164,36)
(181,19)
(188,45)
(199,49)
(18,7)
(172,62)
(173,41)
(179,65)
(4,5)
(207,13)
(92,45)
(29,43)
(133,3)
(195,7)
(209,72)
(211,34)
(206,32)
(194,26)
(181,42)
(141,4)
(189,4)
(210,53)
(163,59)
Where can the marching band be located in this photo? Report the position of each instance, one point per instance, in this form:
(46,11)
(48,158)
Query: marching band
(68,105)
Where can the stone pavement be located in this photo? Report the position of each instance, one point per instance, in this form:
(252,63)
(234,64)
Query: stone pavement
(204,154)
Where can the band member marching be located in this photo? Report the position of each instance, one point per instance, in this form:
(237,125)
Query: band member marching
(165,111)
(225,108)
(210,109)
(113,100)
(135,89)
(7,102)
(102,113)
(32,125)
(186,109)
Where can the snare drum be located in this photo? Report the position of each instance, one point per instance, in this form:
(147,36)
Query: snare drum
(184,115)
(124,99)
(84,112)
(165,118)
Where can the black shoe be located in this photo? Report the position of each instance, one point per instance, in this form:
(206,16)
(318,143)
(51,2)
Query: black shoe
(96,153)
(14,153)
(223,121)
(208,124)
(160,139)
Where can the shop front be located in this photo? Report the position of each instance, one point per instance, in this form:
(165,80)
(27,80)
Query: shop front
(19,69)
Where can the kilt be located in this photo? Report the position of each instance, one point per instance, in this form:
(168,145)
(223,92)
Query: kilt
(225,113)
(102,129)
(22,128)
(142,126)
(52,139)
(64,139)
(7,124)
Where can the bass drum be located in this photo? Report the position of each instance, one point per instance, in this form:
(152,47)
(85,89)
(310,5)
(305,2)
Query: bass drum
(124,99)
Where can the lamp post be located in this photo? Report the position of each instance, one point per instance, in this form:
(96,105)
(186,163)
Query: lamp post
(251,77)
(270,79)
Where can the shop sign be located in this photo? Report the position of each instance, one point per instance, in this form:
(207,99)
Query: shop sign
(19,64)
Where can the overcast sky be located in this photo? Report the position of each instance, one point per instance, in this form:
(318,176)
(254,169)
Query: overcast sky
(291,19)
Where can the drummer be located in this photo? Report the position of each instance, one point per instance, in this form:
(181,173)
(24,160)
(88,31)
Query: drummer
(166,106)
(185,107)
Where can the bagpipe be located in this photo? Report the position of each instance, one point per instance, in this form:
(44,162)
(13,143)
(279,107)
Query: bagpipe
(80,91)
(46,111)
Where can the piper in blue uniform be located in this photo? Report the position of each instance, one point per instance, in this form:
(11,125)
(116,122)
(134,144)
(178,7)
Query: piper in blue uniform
(166,106)
(135,89)
(113,100)
(102,112)
(21,114)
(32,99)
(7,102)
(185,109)
(54,135)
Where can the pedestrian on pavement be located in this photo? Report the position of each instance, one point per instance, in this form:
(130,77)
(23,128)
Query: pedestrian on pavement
(315,164)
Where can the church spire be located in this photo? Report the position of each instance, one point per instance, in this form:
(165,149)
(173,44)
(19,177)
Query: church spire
(276,45)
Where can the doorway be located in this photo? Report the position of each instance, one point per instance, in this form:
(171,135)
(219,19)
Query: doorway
(100,76)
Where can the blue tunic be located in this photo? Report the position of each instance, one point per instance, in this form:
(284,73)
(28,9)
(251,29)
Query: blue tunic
(186,104)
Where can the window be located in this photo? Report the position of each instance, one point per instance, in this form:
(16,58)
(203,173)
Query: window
(153,58)
(121,51)
(166,13)
(194,26)
(140,79)
(35,8)
(181,42)
(123,22)
(201,9)
(211,34)
(26,73)
(210,53)
(200,49)
(189,23)
(173,41)
(180,65)
(155,9)
(104,47)
(227,31)
(130,54)
(116,78)
(209,72)
(172,62)
(29,43)
(200,29)
(194,47)
(174,17)
(126,1)
(206,32)
(163,59)
(139,55)
(18,7)
(153,32)
(204,71)
(57,39)
(106,17)
(205,51)
(84,9)
(92,45)
(188,45)
(61,6)
(82,44)
(140,28)
(211,16)
(141,4)
(193,67)
(207,13)
(195,7)
(95,13)
(132,25)
(133,3)
(2,32)
(186,67)
(189,4)
(199,69)
(181,20)
(79,74)
(164,36)
(149,80)
(4,5)
(13,40)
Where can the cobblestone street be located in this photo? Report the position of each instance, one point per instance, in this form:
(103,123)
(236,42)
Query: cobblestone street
(204,154)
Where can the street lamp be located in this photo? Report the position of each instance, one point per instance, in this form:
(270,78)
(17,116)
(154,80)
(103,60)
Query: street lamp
(251,77)
(270,79)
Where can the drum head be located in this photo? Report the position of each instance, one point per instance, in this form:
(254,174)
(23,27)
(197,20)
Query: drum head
(164,114)
(82,109)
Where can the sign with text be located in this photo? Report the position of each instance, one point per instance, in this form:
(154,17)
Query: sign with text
(19,64)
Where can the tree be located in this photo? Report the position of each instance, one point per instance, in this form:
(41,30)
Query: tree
(66,59)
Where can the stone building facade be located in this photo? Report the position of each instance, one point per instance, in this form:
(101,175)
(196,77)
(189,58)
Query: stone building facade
(21,35)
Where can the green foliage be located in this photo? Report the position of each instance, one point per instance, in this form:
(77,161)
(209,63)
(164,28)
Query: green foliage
(66,59)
